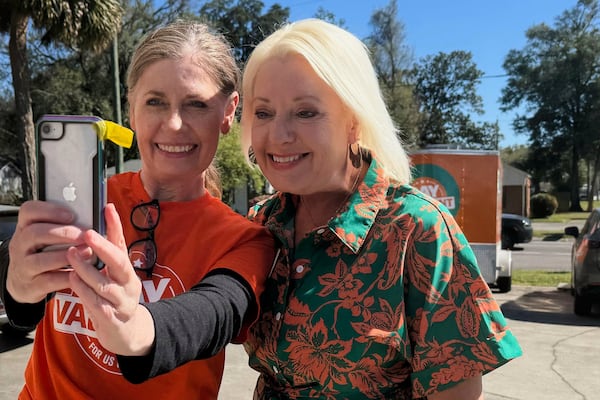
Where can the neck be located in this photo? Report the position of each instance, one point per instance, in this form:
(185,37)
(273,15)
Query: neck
(318,209)
(173,190)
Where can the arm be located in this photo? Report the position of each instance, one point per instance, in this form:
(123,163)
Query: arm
(199,323)
(469,389)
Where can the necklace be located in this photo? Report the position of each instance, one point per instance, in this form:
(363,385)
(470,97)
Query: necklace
(352,189)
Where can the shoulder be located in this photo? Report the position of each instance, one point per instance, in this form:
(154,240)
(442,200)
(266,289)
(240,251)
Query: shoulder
(229,220)
(264,208)
(404,202)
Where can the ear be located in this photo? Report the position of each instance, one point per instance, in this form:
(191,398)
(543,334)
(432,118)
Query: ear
(353,135)
(131,117)
(229,115)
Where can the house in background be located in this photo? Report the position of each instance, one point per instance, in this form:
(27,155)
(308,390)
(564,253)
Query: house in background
(516,190)
(10,179)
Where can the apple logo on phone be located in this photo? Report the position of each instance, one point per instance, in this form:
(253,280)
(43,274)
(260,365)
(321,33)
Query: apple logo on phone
(68,192)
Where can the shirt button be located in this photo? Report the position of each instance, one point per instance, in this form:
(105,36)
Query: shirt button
(320,230)
(278,316)
(299,269)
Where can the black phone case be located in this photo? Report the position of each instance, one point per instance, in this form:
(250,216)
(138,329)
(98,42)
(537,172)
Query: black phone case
(71,166)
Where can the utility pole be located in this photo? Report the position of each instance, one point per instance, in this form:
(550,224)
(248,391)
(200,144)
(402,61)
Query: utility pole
(117,100)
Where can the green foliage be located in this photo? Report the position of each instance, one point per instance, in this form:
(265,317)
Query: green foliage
(555,78)
(233,168)
(543,205)
(90,25)
(243,22)
(328,16)
(446,87)
(515,155)
(392,59)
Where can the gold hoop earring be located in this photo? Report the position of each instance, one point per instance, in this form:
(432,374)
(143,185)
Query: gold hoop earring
(354,154)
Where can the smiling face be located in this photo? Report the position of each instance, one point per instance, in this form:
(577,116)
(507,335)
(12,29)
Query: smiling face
(177,112)
(300,128)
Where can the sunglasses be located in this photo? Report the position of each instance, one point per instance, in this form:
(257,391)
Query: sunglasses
(142,253)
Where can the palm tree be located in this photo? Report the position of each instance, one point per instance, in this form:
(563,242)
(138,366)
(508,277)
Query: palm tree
(84,24)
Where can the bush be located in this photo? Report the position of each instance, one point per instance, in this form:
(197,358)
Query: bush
(543,205)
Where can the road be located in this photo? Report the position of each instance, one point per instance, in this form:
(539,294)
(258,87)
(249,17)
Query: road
(544,255)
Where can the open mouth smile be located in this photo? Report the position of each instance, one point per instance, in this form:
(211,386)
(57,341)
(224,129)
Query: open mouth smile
(175,148)
(287,159)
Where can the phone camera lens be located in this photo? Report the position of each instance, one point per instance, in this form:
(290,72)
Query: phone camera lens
(46,129)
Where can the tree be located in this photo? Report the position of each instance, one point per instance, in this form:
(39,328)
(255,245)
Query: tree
(556,79)
(243,22)
(446,88)
(328,16)
(88,24)
(392,59)
(515,155)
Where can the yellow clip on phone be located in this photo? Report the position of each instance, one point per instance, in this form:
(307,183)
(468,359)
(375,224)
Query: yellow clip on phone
(114,132)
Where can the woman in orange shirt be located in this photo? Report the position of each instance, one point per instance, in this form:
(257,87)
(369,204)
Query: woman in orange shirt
(169,233)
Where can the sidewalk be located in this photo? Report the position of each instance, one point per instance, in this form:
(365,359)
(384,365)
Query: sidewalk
(561,358)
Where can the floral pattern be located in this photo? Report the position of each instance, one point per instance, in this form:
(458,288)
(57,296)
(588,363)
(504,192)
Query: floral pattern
(386,301)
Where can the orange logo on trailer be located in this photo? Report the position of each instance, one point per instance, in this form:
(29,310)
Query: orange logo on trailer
(439,184)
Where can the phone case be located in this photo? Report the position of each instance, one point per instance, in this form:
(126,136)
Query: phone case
(71,166)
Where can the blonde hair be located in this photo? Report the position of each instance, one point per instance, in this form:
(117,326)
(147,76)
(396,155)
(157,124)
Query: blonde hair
(342,61)
(211,51)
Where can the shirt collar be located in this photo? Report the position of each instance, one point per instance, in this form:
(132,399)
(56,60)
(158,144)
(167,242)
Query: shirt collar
(352,225)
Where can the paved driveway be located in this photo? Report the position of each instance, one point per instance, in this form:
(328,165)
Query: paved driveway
(561,358)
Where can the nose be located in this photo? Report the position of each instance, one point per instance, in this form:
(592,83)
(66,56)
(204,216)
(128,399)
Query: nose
(283,131)
(174,120)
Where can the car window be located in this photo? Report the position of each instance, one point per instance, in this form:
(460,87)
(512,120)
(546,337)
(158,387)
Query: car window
(594,225)
(590,223)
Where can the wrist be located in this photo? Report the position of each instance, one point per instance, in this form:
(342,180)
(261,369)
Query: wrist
(143,332)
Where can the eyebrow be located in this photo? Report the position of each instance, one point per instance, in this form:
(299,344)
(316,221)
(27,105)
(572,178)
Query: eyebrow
(297,98)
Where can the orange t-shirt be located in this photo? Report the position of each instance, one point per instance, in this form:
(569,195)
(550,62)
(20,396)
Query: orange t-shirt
(68,362)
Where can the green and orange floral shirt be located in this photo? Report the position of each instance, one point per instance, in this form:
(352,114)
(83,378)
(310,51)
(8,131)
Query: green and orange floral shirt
(385,302)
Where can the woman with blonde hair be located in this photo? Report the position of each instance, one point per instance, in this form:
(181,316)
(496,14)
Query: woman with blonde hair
(376,293)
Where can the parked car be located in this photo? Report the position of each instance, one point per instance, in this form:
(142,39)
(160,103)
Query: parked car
(515,229)
(8,222)
(585,263)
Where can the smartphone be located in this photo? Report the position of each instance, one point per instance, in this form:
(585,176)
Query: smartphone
(71,166)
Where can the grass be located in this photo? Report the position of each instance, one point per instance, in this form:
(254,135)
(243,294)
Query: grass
(568,216)
(563,217)
(528,277)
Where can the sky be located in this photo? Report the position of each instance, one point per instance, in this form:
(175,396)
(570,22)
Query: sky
(486,28)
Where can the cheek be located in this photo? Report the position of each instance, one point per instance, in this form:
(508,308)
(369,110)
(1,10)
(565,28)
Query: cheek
(258,138)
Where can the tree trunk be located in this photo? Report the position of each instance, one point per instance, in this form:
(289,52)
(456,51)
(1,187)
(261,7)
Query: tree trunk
(17,48)
(575,201)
